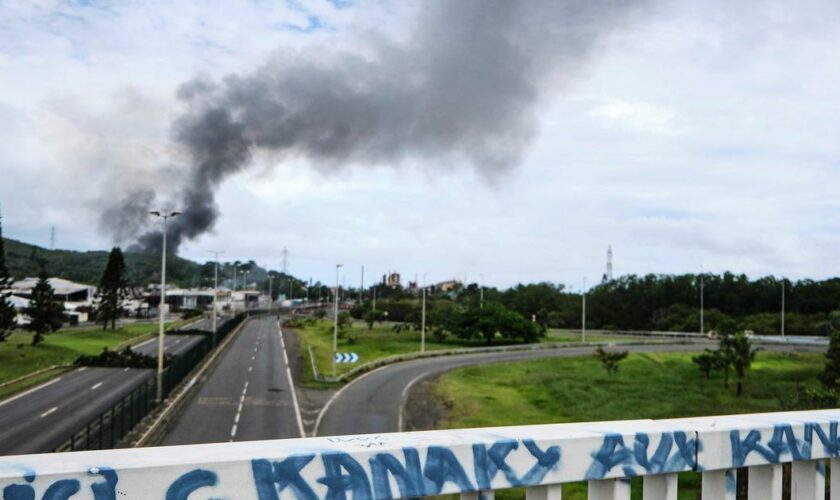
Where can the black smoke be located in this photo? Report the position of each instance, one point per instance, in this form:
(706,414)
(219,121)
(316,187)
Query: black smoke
(464,85)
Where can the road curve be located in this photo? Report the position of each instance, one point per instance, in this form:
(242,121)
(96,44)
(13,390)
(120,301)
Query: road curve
(373,403)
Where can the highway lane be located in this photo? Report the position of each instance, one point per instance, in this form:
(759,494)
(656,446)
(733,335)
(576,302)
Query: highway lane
(44,417)
(373,403)
(40,420)
(172,344)
(247,395)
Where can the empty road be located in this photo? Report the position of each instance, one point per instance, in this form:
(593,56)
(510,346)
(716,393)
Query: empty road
(46,416)
(247,395)
(373,403)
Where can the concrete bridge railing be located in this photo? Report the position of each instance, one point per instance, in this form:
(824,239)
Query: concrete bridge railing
(473,463)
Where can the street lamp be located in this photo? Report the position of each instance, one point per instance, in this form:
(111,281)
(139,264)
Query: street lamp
(215,295)
(423,319)
(335,320)
(702,312)
(583,312)
(481,293)
(165,217)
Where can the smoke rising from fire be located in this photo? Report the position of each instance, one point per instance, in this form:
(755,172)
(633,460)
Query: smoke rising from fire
(463,86)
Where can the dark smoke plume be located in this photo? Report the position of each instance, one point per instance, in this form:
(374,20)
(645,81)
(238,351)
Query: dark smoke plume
(463,86)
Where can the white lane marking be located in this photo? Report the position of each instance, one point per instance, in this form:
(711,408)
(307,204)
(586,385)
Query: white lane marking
(250,369)
(127,369)
(80,370)
(292,386)
(253,358)
(96,386)
(49,411)
(233,432)
(30,391)
(404,396)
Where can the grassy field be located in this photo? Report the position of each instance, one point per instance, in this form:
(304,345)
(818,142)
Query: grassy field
(382,341)
(647,386)
(370,345)
(18,357)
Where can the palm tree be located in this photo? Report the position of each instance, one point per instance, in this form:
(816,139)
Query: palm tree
(742,356)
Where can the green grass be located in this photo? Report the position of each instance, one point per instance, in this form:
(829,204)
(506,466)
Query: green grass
(662,385)
(370,345)
(18,357)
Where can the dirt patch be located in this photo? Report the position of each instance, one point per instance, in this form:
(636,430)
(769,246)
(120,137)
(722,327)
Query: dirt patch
(424,410)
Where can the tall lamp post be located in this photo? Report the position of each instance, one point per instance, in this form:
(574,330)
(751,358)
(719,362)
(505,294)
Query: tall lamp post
(583,311)
(335,319)
(165,217)
(783,307)
(423,319)
(702,312)
(481,293)
(215,295)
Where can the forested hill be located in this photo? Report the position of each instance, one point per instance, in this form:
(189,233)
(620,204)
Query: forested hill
(25,260)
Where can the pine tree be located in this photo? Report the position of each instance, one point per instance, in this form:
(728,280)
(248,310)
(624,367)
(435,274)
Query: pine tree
(7,310)
(45,312)
(113,290)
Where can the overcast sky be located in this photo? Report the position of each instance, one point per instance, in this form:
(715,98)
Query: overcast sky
(696,133)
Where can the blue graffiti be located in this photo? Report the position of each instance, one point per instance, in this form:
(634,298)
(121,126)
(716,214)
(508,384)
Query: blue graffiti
(20,491)
(104,490)
(338,483)
(271,478)
(62,490)
(409,478)
(783,442)
(614,452)
(181,488)
(441,467)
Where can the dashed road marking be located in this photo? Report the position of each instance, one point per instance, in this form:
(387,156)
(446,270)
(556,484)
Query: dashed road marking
(49,411)
(96,386)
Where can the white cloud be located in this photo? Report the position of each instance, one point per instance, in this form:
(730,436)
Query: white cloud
(704,134)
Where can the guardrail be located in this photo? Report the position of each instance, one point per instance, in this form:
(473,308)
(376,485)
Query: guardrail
(473,462)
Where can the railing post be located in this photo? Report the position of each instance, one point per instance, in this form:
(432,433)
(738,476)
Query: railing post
(765,482)
(660,487)
(609,489)
(550,492)
(719,484)
(807,480)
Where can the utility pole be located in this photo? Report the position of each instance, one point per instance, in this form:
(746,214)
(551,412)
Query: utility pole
(215,296)
(162,306)
(583,311)
(362,285)
(481,293)
(285,261)
(783,307)
(52,237)
(335,321)
(270,296)
(702,325)
(423,319)
(235,272)
(374,298)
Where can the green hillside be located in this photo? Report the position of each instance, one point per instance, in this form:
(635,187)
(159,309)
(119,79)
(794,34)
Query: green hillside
(25,260)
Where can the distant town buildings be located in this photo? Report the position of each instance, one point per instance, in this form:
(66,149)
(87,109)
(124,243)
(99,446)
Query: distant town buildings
(391,279)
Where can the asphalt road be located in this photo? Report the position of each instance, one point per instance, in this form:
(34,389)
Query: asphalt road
(40,420)
(247,395)
(373,403)
(43,418)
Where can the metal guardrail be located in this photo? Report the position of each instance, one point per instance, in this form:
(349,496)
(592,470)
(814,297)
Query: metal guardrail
(107,430)
(471,462)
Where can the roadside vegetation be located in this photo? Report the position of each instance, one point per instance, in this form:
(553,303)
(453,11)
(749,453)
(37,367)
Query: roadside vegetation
(660,385)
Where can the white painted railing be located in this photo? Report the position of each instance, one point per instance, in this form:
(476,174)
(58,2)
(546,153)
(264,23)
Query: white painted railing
(473,462)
